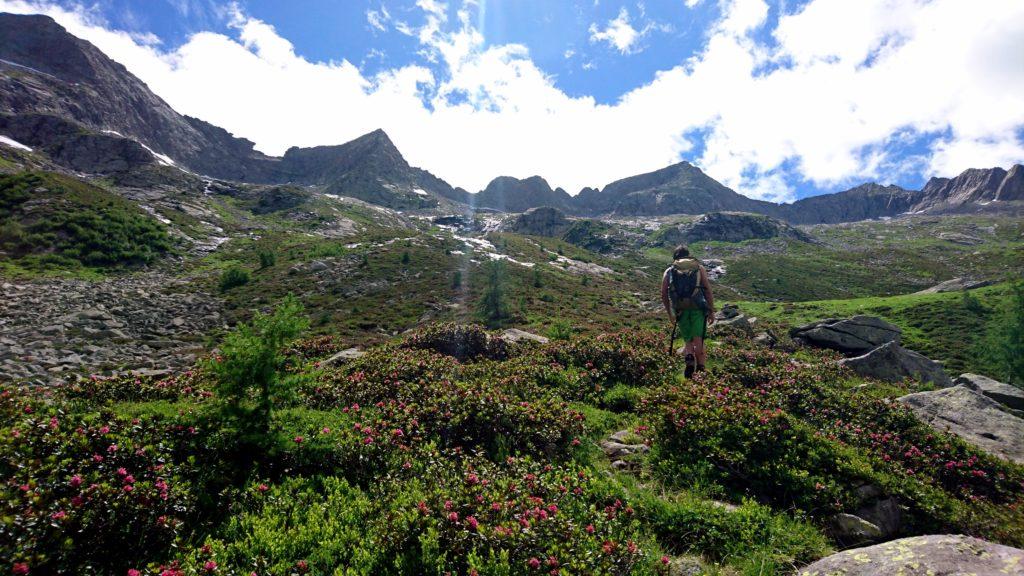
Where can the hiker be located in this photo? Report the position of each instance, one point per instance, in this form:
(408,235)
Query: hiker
(686,294)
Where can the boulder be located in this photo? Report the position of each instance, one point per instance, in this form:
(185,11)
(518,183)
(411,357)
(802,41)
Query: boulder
(616,450)
(850,528)
(850,336)
(891,362)
(517,335)
(1007,395)
(973,417)
(686,566)
(923,555)
(955,285)
(344,356)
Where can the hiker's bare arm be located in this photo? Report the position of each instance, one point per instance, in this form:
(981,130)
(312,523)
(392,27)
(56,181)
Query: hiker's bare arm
(664,295)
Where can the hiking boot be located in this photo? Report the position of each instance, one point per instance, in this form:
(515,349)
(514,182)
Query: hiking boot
(690,361)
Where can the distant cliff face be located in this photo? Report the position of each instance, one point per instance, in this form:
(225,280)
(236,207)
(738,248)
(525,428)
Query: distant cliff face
(510,194)
(973,187)
(678,189)
(865,202)
(45,71)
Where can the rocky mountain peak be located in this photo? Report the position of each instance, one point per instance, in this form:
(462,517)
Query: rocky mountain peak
(39,43)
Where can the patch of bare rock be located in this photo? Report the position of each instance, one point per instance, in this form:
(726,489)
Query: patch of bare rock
(149,322)
(980,416)
(930,555)
(873,349)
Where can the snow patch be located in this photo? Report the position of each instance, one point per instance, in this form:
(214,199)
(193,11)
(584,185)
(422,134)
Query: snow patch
(152,212)
(496,256)
(162,158)
(420,191)
(13,143)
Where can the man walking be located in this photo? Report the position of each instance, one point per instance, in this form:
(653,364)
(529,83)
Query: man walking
(686,294)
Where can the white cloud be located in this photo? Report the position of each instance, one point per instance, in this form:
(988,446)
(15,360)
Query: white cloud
(828,100)
(618,33)
(377,19)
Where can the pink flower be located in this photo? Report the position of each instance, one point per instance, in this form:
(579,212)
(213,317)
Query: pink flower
(298,439)
(20,568)
(325,430)
(128,488)
(453,516)
(590,528)
(533,563)
(665,560)
(210,566)
(263,487)
(58,515)
(472,522)
(104,429)
(134,572)
(368,440)
(122,472)
(76,481)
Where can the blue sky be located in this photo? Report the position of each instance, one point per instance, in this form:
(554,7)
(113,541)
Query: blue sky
(778,99)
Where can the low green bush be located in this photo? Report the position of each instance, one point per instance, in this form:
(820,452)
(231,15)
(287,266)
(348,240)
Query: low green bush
(233,277)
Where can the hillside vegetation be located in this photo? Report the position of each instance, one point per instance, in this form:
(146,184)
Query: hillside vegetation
(451,450)
(53,222)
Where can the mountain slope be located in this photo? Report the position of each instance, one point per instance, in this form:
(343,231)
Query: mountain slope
(44,70)
(678,189)
(865,202)
(973,187)
(510,194)
(369,168)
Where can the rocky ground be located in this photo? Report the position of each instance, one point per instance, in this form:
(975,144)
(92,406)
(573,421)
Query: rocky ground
(148,321)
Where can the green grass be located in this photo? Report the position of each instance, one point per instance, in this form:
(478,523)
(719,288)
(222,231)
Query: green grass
(50,223)
(939,326)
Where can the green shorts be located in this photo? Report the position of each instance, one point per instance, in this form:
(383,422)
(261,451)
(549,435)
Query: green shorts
(691,325)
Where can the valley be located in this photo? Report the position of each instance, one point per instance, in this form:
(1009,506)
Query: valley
(333,362)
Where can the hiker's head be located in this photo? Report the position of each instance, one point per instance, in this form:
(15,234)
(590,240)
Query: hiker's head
(681,251)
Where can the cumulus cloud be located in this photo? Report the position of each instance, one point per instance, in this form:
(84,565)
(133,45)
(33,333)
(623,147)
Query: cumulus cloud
(830,95)
(619,33)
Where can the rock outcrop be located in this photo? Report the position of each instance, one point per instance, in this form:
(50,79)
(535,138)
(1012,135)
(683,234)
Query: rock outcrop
(730,320)
(891,362)
(1007,395)
(515,335)
(972,416)
(955,285)
(923,556)
(729,227)
(855,335)
(542,221)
